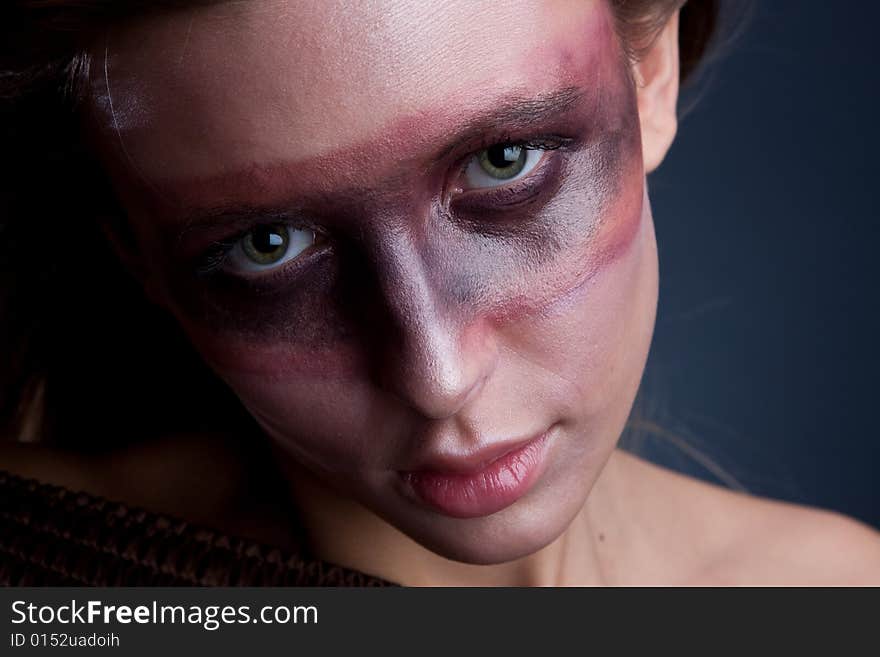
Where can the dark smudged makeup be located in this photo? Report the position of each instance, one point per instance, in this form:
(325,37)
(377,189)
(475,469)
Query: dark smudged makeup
(509,204)
(497,179)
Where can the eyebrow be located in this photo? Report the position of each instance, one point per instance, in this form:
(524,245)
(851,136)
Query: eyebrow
(514,112)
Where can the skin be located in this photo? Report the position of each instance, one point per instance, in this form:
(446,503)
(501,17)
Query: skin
(429,319)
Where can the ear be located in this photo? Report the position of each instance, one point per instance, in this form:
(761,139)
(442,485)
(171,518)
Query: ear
(656,75)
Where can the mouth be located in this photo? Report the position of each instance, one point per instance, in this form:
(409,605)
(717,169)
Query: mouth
(479,484)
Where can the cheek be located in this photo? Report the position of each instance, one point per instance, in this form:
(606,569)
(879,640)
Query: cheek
(594,335)
(335,424)
(316,402)
(589,225)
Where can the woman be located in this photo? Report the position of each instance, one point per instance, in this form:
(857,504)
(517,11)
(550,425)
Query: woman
(415,242)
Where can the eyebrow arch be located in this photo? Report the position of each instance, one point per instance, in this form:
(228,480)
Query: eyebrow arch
(516,112)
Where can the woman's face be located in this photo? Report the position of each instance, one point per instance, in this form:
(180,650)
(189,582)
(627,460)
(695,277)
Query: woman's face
(413,238)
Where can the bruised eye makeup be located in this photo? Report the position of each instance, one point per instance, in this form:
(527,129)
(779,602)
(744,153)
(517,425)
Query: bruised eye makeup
(268,245)
(486,215)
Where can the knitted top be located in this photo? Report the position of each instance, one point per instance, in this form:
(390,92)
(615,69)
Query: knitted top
(53,536)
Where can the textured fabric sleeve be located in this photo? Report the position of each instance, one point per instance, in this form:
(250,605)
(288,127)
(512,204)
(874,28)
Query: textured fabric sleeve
(52,536)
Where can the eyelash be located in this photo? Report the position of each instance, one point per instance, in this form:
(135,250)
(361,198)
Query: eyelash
(211,261)
(506,197)
(547,143)
(215,255)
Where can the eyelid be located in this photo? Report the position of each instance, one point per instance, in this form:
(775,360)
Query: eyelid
(210,260)
(549,141)
(481,173)
(543,143)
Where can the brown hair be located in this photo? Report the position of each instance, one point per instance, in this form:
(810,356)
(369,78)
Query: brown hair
(68,310)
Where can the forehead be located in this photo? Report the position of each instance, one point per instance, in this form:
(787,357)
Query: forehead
(209,90)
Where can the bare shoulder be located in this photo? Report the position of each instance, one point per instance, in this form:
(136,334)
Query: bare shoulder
(209,479)
(745,539)
(783,543)
(135,473)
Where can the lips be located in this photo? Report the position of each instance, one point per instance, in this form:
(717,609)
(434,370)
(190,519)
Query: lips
(479,484)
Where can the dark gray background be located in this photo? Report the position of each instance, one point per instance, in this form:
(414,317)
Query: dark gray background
(764,356)
(455,621)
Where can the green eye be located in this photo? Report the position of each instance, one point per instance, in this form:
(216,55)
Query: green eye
(501,164)
(503,161)
(269,246)
(266,245)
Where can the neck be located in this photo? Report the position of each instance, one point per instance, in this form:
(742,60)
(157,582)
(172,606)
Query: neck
(343,532)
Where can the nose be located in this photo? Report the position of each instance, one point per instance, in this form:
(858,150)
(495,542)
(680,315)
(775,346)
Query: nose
(438,353)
